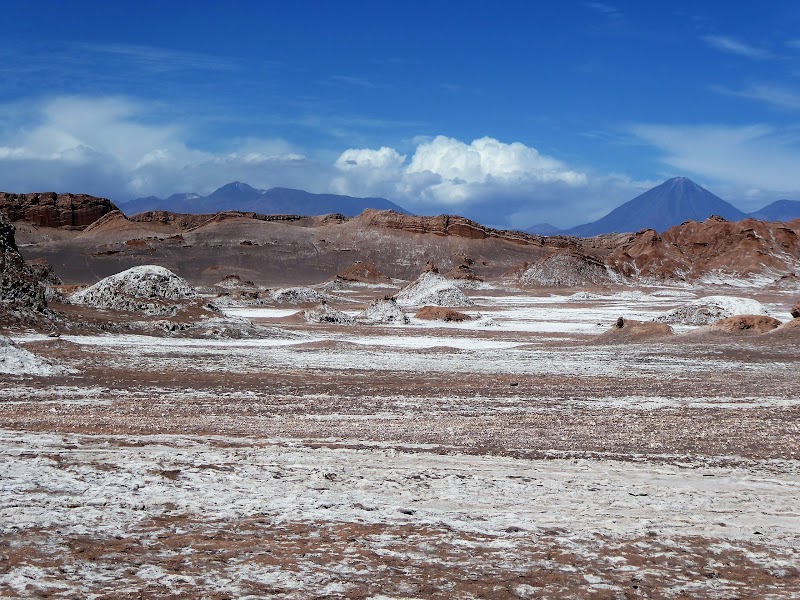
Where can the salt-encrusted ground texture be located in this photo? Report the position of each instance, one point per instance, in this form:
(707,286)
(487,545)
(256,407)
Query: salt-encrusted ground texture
(409,460)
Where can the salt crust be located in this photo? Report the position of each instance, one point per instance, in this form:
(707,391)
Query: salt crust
(18,361)
(710,309)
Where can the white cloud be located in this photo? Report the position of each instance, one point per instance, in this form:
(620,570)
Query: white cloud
(107,147)
(734,46)
(448,173)
(775,96)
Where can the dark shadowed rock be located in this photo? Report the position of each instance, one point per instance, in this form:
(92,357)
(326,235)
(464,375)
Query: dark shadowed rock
(22,296)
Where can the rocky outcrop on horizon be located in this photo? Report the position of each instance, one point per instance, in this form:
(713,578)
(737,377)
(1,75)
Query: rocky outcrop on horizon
(712,248)
(49,209)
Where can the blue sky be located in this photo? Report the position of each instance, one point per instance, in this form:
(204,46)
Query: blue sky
(512,113)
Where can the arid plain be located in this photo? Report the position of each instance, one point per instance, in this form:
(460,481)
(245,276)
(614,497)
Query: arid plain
(560,421)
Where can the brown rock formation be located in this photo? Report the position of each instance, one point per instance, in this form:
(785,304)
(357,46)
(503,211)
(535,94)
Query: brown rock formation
(628,330)
(49,209)
(452,225)
(795,311)
(363,272)
(745,323)
(441,313)
(693,249)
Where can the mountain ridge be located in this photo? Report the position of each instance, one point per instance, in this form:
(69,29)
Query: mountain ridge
(240,196)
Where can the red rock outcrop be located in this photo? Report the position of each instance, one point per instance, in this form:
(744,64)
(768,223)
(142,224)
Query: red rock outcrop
(49,209)
(364,273)
(629,330)
(694,249)
(441,313)
(452,225)
(746,324)
(795,311)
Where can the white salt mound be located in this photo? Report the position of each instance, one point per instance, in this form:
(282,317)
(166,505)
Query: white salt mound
(139,289)
(18,361)
(327,314)
(568,270)
(297,295)
(431,289)
(382,310)
(710,309)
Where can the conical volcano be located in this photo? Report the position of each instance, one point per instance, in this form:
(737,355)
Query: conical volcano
(676,200)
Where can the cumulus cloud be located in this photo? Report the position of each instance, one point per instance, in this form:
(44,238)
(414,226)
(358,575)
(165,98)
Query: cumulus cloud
(446,173)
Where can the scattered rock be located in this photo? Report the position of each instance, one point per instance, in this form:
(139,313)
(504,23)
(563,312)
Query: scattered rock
(786,282)
(324,313)
(710,309)
(382,310)
(464,271)
(795,311)
(432,289)
(440,313)
(298,295)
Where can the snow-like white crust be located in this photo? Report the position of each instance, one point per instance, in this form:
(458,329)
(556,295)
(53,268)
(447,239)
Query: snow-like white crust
(431,289)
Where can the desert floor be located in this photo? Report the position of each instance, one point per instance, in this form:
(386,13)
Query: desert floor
(511,456)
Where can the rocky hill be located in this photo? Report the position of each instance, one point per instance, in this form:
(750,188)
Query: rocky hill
(49,209)
(708,249)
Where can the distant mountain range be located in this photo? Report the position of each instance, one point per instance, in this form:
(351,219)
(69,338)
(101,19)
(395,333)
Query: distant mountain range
(240,196)
(676,200)
(780,210)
